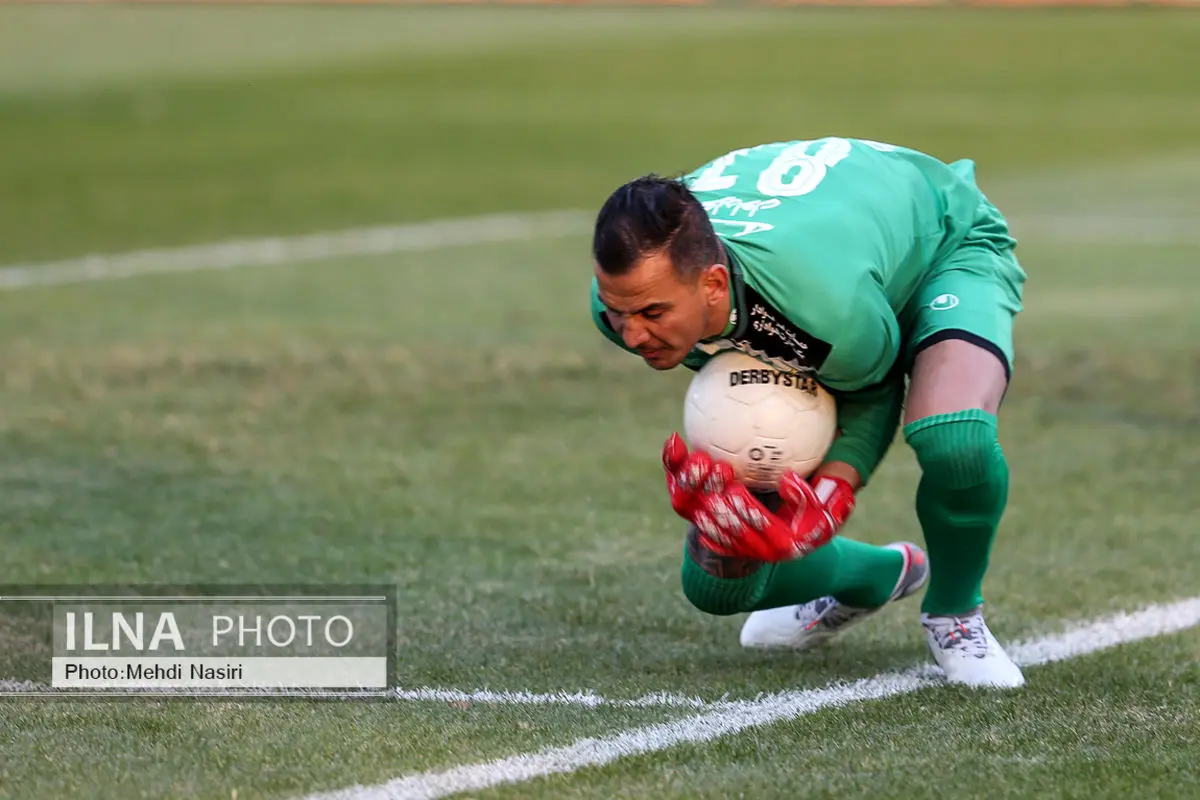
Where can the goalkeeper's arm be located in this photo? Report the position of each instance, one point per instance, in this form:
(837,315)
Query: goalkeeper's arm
(867,422)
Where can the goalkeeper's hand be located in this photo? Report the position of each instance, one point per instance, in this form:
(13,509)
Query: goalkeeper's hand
(691,475)
(732,522)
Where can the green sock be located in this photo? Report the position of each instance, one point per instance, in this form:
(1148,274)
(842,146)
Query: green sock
(960,499)
(857,574)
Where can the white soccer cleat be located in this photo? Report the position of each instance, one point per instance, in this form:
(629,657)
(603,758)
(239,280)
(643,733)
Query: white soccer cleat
(968,652)
(810,624)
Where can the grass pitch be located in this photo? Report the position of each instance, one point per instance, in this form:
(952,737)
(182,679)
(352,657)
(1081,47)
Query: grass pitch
(448,422)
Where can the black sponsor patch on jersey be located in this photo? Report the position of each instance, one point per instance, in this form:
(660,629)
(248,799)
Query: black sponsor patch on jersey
(770,335)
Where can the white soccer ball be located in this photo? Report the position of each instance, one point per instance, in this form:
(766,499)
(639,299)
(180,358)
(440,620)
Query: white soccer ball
(759,419)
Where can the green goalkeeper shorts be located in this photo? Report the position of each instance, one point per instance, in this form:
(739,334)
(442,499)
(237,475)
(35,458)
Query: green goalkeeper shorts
(973,295)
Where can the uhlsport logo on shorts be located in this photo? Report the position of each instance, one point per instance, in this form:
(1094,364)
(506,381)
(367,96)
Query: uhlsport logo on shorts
(944,302)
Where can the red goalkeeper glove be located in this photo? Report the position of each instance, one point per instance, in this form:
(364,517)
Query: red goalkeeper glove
(732,522)
(691,475)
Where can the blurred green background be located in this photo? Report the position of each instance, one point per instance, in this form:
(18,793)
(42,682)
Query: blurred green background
(123,127)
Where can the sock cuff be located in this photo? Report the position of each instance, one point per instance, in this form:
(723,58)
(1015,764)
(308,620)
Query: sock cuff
(959,450)
(967,415)
(722,596)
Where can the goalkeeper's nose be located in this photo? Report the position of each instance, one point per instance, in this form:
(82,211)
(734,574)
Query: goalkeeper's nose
(634,334)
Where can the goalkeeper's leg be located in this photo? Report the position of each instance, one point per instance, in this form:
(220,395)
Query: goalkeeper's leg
(803,602)
(960,500)
(961,351)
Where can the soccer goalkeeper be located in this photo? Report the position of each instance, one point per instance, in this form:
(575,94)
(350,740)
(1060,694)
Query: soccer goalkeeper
(888,275)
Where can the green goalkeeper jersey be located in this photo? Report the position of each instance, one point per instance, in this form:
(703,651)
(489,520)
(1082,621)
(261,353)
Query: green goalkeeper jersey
(828,242)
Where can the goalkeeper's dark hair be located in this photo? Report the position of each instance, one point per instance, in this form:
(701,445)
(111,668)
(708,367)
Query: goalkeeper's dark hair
(651,215)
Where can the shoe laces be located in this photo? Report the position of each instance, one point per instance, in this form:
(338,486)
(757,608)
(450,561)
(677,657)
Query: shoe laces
(830,613)
(838,614)
(966,635)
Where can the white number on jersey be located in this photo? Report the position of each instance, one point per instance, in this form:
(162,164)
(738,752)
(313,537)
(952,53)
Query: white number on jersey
(713,179)
(792,173)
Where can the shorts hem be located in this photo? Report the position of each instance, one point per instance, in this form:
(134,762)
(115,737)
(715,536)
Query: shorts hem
(965,336)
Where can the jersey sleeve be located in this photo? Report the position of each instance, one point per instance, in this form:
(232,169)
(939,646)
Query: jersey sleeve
(866,376)
(867,422)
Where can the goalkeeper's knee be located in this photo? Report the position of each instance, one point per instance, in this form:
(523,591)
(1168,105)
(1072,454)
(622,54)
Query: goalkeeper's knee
(956,451)
(720,596)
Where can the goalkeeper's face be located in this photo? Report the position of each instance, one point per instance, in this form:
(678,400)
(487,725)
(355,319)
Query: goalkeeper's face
(662,314)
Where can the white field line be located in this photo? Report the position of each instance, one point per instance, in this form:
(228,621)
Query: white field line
(9,686)
(463,231)
(429,694)
(714,723)
(432,235)
(586,698)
